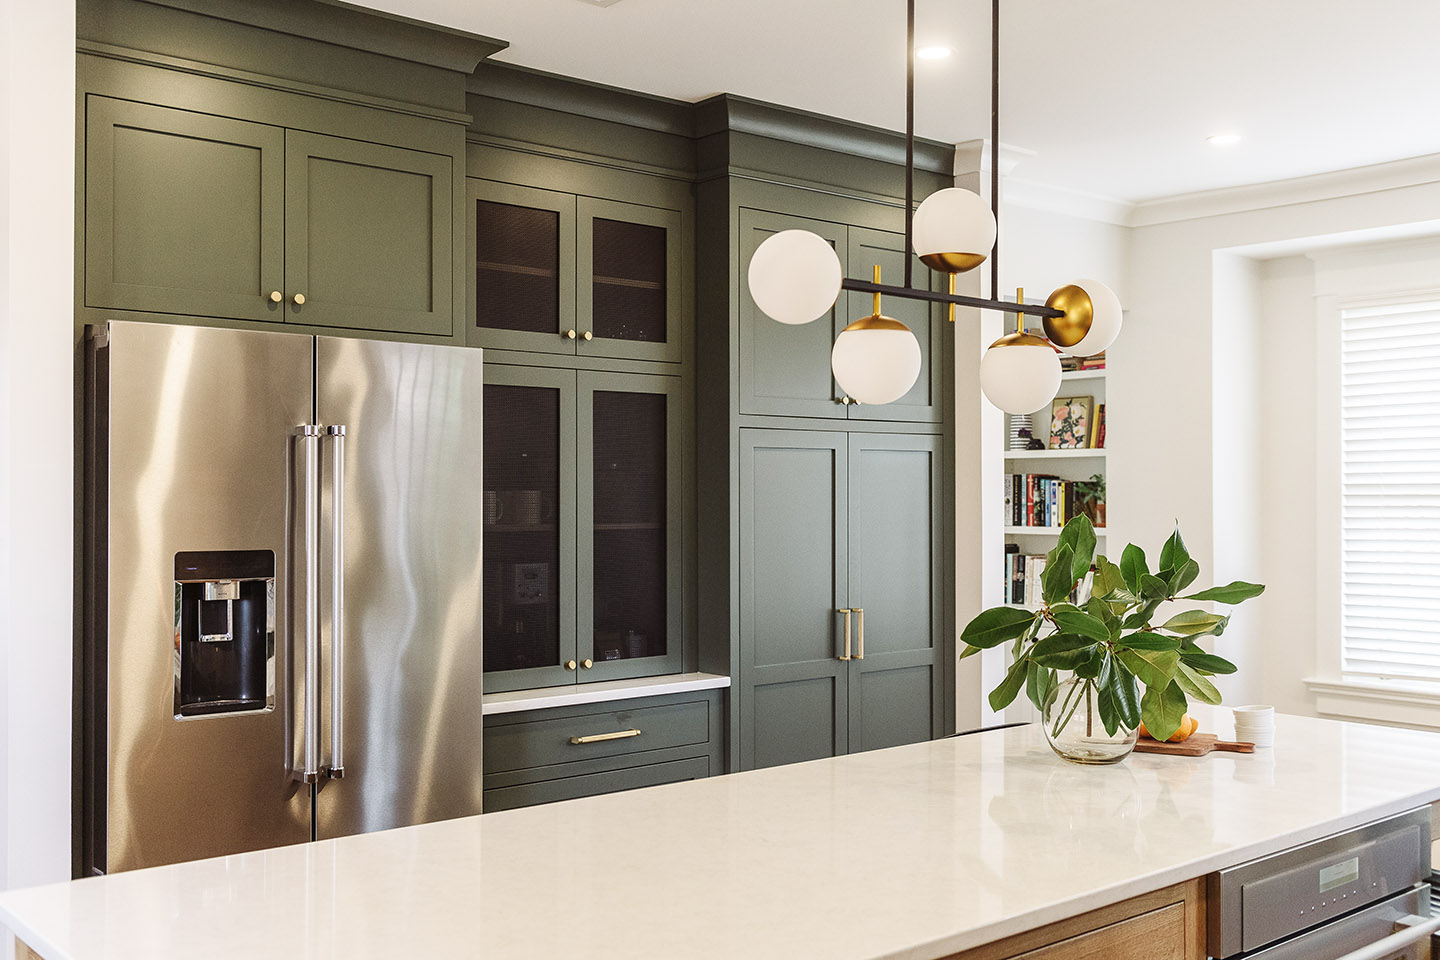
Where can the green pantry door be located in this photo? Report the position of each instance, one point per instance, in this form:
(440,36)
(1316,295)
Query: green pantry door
(833,522)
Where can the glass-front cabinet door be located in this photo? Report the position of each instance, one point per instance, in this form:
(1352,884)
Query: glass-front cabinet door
(529,528)
(523,251)
(630,285)
(630,509)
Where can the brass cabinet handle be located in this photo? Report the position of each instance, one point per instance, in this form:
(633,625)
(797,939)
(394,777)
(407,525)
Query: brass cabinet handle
(299,299)
(587,663)
(860,633)
(589,335)
(569,334)
(276,296)
(569,664)
(847,634)
(596,738)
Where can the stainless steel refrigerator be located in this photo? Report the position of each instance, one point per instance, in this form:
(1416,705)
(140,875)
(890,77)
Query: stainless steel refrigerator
(281,592)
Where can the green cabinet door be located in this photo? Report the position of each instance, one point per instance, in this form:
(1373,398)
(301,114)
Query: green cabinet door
(895,564)
(630,517)
(522,251)
(368,235)
(528,545)
(785,368)
(630,287)
(866,250)
(184,212)
(793,578)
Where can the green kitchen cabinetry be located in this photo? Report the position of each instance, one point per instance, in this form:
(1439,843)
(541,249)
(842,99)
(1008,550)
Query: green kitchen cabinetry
(584,526)
(197,215)
(575,275)
(539,756)
(840,609)
(785,368)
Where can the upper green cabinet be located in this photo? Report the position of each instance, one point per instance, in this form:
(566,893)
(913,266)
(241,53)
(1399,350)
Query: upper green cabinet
(192,214)
(566,274)
(785,369)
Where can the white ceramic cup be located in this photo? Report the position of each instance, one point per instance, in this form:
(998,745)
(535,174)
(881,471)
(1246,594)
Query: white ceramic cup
(1255,723)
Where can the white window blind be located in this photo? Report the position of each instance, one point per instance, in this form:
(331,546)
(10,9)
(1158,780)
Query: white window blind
(1390,491)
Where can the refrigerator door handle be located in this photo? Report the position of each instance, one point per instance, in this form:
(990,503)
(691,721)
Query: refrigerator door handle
(336,433)
(309,442)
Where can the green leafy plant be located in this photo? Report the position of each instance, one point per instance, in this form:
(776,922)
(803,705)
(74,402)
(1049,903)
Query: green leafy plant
(1112,644)
(1090,492)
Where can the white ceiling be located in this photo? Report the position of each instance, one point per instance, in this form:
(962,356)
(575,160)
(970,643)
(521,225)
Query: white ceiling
(1114,97)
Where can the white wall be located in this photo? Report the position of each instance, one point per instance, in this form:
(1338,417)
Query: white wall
(37,190)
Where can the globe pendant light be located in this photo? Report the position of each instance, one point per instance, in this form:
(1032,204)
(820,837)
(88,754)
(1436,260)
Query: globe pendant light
(795,276)
(1020,372)
(876,359)
(954,230)
(1091,320)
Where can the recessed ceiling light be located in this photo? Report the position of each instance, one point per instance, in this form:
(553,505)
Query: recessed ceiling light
(1223,139)
(933,53)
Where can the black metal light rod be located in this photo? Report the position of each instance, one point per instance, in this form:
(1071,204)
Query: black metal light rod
(995,142)
(909,134)
(935,296)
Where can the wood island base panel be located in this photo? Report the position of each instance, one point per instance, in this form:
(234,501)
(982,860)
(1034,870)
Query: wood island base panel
(980,847)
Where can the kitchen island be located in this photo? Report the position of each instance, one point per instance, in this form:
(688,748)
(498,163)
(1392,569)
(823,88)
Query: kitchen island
(915,852)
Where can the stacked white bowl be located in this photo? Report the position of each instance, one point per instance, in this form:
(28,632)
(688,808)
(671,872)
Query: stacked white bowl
(1255,724)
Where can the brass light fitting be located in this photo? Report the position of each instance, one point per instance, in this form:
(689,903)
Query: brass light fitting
(1077,314)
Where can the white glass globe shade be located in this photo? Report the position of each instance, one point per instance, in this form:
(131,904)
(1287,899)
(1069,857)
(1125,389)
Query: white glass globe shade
(1020,378)
(954,222)
(876,366)
(1105,320)
(795,276)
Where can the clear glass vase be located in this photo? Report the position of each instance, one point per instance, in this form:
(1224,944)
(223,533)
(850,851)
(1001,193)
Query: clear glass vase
(1074,728)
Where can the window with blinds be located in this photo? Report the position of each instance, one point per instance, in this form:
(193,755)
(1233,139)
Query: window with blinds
(1390,491)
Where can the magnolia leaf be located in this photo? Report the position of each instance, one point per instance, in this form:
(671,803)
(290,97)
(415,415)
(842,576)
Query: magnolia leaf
(1193,623)
(1153,588)
(1057,579)
(1003,695)
(1108,578)
(1149,641)
(1079,535)
(1196,685)
(1132,567)
(1090,669)
(968,652)
(996,625)
(1101,611)
(1162,709)
(1154,668)
(1208,662)
(1063,651)
(1173,555)
(1126,694)
(1184,576)
(1083,624)
(1037,684)
(1063,608)
(1235,592)
(1107,708)
(1141,617)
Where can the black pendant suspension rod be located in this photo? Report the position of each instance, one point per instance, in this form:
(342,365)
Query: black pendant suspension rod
(910,293)
(909,135)
(995,143)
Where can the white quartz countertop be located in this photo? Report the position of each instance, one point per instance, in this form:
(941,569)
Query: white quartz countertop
(912,852)
(574,694)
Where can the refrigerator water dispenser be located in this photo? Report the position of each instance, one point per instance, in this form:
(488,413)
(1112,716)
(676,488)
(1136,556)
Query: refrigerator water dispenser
(224,632)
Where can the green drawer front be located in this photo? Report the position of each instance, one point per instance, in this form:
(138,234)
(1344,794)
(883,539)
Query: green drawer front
(519,746)
(593,784)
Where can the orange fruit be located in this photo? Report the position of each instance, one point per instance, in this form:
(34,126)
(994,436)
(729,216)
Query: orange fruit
(1188,726)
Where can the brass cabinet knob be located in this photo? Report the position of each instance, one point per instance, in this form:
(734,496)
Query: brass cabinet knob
(587,663)
(299,299)
(845,400)
(569,664)
(569,334)
(276,296)
(589,335)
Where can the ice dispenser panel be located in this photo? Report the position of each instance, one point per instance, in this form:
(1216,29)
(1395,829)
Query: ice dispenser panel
(224,632)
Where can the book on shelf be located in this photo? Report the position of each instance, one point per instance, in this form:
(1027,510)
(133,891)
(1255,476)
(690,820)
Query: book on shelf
(1097,362)
(1040,500)
(1097,435)
(1025,578)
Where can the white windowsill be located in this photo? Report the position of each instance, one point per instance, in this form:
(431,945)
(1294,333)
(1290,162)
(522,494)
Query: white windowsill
(1413,704)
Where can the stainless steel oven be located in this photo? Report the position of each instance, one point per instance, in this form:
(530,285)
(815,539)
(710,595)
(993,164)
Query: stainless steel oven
(1360,895)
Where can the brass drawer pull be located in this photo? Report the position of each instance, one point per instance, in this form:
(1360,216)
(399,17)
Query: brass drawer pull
(860,629)
(847,634)
(617,735)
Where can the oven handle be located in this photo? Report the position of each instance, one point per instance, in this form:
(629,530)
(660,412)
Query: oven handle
(1417,928)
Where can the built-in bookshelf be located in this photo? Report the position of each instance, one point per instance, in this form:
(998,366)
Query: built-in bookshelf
(1055,484)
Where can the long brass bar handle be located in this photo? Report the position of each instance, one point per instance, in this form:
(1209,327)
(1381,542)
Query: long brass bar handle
(847,634)
(337,602)
(860,634)
(596,738)
(309,442)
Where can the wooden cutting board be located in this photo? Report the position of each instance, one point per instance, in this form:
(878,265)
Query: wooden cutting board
(1197,745)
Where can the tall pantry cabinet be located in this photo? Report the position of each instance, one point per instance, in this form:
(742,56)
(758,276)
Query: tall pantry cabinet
(825,524)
